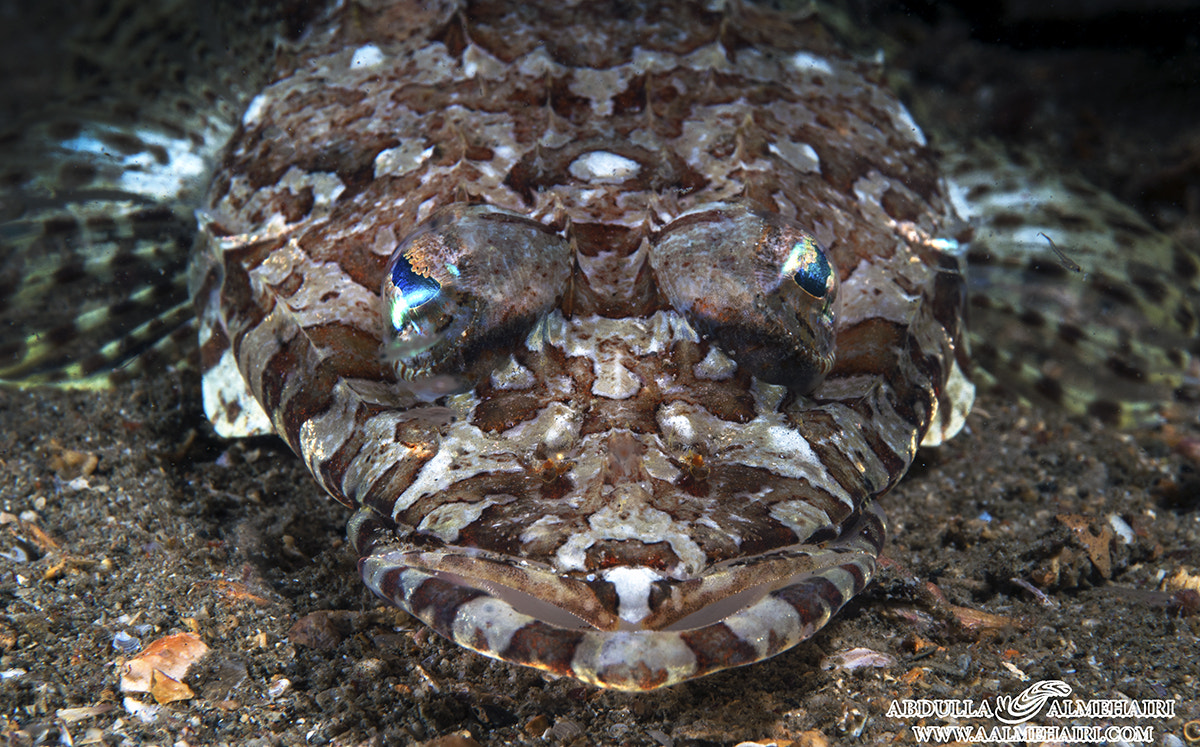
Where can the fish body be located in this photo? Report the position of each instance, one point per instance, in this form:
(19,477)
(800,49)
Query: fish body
(611,323)
(662,452)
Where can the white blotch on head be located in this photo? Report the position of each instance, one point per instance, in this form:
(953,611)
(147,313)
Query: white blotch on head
(513,375)
(784,440)
(624,521)
(678,428)
(807,62)
(447,520)
(716,366)
(465,452)
(229,404)
(614,380)
(476,62)
(603,167)
(561,426)
(872,291)
(368,55)
(402,159)
(426,208)
(802,517)
(632,586)
(799,156)
(325,186)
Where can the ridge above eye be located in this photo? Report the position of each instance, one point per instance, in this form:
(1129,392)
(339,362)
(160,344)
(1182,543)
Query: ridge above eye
(757,284)
(465,282)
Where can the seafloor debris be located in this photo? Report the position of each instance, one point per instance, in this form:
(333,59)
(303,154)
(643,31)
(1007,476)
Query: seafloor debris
(857,658)
(161,667)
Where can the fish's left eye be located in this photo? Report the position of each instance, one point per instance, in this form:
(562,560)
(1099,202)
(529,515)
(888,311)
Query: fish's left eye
(467,282)
(410,290)
(758,285)
(810,268)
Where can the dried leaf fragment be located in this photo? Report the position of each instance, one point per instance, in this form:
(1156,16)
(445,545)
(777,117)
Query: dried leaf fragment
(168,690)
(980,621)
(161,667)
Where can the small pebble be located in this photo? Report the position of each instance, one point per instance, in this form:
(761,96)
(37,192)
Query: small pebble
(278,687)
(857,658)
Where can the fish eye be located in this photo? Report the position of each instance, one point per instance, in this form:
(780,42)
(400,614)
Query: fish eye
(412,290)
(809,268)
(758,285)
(420,307)
(467,282)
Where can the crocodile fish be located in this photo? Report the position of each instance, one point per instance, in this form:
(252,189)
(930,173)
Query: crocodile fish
(612,323)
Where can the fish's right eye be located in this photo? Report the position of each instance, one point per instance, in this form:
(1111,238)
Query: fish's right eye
(758,285)
(470,279)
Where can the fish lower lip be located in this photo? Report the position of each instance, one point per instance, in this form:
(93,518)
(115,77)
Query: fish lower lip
(627,628)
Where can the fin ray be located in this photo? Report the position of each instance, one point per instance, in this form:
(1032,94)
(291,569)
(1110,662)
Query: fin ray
(1074,298)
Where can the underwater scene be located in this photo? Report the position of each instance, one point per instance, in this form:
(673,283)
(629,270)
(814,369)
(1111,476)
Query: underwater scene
(665,373)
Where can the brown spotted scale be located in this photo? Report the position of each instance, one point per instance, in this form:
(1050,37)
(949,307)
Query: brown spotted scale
(612,323)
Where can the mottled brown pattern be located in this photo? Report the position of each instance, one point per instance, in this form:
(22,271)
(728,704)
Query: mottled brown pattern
(641,475)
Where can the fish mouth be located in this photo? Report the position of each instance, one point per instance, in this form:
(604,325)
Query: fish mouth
(629,628)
